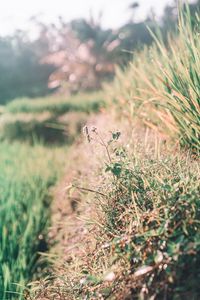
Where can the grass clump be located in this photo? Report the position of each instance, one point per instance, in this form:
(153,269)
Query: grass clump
(162,85)
(25,177)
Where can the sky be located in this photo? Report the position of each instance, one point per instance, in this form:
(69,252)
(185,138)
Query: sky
(15,14)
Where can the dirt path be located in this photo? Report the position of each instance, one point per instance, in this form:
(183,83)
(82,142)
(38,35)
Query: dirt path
(84,161)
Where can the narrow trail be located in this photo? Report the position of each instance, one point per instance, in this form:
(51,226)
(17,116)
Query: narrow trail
(84,161)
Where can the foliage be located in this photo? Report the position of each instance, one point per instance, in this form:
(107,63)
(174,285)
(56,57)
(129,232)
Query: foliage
(31,128)
(84,58)
(162,87)
(24,212)
(21,72)
(44,128)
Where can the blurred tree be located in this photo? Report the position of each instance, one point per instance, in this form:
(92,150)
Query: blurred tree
(85,57)
(73,56)
(133,6)
(21,74)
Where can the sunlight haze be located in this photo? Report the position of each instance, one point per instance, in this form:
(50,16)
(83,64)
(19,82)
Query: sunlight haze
(16,14)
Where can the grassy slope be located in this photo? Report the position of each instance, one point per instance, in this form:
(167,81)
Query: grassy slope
(149,225)
(142,225)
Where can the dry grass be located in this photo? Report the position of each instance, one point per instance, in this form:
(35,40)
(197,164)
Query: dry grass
(161,85)
(129,234)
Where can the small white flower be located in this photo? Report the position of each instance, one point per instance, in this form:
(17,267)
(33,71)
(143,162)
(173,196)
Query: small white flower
(109,276)
(106,245)
(83,280)
(143,270)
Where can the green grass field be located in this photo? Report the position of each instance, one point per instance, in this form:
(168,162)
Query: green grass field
(57,105)
(26,175)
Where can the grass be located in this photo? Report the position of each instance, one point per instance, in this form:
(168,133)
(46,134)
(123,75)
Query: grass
(26,176)
(144,223)
(50,120)
(57,106)
(28,170)
(162,87)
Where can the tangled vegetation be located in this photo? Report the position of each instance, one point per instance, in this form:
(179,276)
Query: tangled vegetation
(148,236)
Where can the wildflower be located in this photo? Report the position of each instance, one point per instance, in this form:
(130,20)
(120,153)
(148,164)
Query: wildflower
(86,133)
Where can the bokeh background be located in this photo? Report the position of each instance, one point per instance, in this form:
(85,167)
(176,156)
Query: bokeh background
(68,46)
